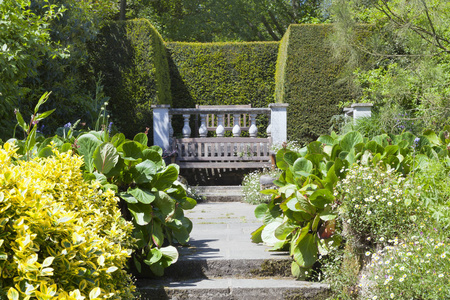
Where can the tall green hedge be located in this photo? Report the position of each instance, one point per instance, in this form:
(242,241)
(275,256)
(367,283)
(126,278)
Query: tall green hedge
(133,59)
(307,78)
(222,73)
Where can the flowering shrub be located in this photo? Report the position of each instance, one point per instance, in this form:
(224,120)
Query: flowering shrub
(378,203)
(61,237)
(251,186)
(413,268)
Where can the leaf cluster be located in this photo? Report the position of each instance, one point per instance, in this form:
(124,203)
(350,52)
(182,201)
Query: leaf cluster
(61,237)
(301,216)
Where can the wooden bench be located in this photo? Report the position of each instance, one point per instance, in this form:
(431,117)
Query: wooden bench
(220,152)
(224,153)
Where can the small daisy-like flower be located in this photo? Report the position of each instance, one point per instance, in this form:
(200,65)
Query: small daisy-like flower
(428,255)
(389,203)
(408,254)
(381,239)
(367,253)
(392,295)
(402,268)
(369,212)
(441,275)
(443,255)
(401,279)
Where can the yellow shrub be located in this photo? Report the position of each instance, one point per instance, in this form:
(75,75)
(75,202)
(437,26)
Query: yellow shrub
(60,237)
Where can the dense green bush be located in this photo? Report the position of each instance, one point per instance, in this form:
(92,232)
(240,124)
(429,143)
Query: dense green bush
(222,73)
(132,57)
(308,79)
(60,235)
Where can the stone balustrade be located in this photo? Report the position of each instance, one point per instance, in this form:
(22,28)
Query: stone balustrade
(220,119)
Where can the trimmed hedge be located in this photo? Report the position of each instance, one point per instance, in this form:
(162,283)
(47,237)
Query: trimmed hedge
(132,57)
(222,73)
(307,79)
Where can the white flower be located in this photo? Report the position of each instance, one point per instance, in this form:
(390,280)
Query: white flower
(392,295)
(443,255)
(367,253)
(389,203)
(369,212)
(441,275)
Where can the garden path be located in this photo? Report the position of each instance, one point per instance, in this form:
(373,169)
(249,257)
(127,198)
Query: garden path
(223,263)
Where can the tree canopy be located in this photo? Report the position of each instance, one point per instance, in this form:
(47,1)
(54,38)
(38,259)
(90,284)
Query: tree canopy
(403,64)
(225,20)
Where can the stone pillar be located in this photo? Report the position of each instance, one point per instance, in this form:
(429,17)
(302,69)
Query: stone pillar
(361,110)
(278,121)
(161,126)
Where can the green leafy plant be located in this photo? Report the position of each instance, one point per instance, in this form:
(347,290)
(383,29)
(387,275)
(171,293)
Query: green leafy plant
(301,216)
(251,186)
(151,196)
(61,237)
(414,267)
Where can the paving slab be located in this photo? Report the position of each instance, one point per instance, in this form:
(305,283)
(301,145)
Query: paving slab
(223,231)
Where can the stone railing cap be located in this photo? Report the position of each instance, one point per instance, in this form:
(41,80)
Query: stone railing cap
(362,105)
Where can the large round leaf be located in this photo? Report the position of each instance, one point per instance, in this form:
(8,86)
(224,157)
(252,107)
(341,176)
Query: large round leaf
(350,140)
(144,172)
(142,195)
(302,167)
(141,138)
(87,143)
(165,179)
(268,233)
(321,197)
(305,253)
(105,157)
(142,213)
(164,203)
(130,150)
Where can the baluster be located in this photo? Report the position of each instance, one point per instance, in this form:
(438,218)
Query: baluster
(236,125)
(253,130)
(220,130)
(186,128)
(203,131)
(269,128)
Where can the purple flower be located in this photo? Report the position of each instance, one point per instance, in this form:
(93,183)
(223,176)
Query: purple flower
(416,140)
(109,127)
(68,125)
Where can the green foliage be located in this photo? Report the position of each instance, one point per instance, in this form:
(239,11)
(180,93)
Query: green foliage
(151,196)
(74,85)
(415,267)
(149,190)
(251,186)
(226,20)
(222,73)
(301,216)
(133,60)
(24,40)
(404,63)
(61,236)
(308,79)
(379,204)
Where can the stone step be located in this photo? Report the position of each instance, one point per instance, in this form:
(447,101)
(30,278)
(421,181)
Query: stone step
(219,268)
(233,289)
(216,193)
